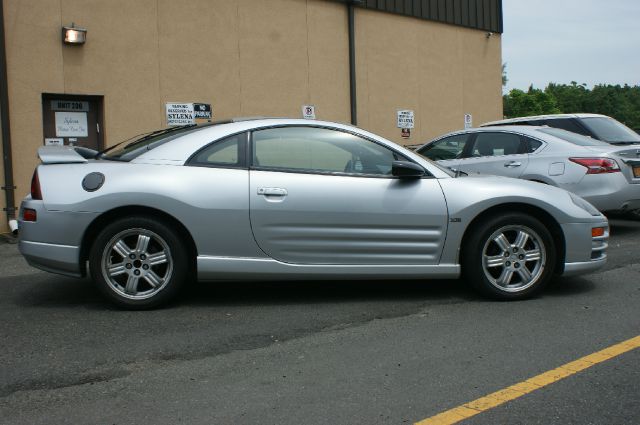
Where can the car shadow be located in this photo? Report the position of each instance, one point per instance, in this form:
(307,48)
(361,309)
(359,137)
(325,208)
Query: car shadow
(319,292)
(568,286)
(62,292)
(52,291)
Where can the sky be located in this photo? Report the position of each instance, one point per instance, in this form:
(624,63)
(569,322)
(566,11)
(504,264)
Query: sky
(559,41)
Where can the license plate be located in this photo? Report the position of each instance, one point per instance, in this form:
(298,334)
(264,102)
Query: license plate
(636,171)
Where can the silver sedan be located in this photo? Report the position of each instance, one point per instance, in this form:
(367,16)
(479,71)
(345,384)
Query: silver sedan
(276,199)
(605,175)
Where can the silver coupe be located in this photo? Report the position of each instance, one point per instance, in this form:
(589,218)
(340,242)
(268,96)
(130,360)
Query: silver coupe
(278,199)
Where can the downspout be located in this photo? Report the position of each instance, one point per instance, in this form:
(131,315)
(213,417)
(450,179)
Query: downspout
(352,59)
(8,187)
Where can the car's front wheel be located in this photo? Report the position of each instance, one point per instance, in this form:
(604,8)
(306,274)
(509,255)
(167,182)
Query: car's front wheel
(509,256)
(138,263)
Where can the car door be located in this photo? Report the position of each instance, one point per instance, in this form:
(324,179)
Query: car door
(446,151)
(327,196)
(496,153)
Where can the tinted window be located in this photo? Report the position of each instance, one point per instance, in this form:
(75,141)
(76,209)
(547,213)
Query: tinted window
(320,150)
(610,130)
(130,149)
(568,124)
(533,145)
(448,148)
(225,152)
(494,144)
(574,138)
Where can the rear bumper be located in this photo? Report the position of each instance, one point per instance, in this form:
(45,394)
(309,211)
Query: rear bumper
(52,242)
(611,192)
(62,259)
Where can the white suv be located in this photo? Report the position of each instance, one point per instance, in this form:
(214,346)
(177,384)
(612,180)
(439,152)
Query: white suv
(597,126)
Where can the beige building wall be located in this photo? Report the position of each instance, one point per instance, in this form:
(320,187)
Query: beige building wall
(245,58)
(439,71)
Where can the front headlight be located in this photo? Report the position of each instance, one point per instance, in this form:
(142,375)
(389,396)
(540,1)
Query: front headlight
(584,204)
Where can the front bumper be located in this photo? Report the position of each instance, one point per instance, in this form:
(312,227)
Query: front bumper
(584,253)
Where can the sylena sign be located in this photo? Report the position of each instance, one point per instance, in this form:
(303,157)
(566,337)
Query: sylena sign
(180,114)
(71,124)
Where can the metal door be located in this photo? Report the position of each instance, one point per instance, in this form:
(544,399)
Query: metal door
(72,120)
(329,219)
(499,153)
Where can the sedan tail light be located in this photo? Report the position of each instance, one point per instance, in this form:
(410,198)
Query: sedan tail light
(598,165)
(36,192)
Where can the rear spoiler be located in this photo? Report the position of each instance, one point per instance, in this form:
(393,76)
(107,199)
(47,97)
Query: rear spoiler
(59,155)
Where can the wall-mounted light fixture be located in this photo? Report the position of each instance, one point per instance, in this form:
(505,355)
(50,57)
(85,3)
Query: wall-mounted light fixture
(74,35)
(488,35)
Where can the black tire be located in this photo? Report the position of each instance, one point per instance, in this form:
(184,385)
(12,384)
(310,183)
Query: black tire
(520,274)
(139,263)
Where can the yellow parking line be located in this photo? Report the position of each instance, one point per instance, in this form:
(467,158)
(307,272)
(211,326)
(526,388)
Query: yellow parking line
(497,398)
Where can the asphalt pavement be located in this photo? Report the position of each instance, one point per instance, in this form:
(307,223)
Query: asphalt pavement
(317,352)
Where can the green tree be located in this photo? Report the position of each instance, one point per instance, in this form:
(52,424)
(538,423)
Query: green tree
(518,103)
(619,102)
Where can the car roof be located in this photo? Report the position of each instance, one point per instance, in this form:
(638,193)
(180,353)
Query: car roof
(529,130)
(540,117)
(533,131)
(180,149)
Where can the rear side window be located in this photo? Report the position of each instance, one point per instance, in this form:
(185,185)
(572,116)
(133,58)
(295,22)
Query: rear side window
(574,138)
(495,144)
(568,124)
(448,148)
(228,152)
(533,145)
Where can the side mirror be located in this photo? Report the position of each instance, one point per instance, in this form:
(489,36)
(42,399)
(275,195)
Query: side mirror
(406,169)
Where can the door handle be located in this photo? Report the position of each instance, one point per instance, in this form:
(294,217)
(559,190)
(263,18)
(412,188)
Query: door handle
(512,164)
(272,191)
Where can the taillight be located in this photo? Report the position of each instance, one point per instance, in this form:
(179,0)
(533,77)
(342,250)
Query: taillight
(36,192)
(29,214)
(597,165)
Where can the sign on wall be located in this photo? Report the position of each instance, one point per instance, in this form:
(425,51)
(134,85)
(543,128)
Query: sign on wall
(309,112)
(53,141)
(468,121)
(71,124)
(202,111)
(405,119)
(69,105)
(180,114)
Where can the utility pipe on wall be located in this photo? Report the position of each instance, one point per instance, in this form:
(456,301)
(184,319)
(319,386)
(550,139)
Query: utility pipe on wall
(8,187)
(352,60)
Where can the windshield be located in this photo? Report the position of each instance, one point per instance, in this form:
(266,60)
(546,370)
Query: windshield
(574,138)
(610,130)
(129,149)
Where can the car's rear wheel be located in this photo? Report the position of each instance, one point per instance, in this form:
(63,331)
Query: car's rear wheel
(509,256)
(138,262)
